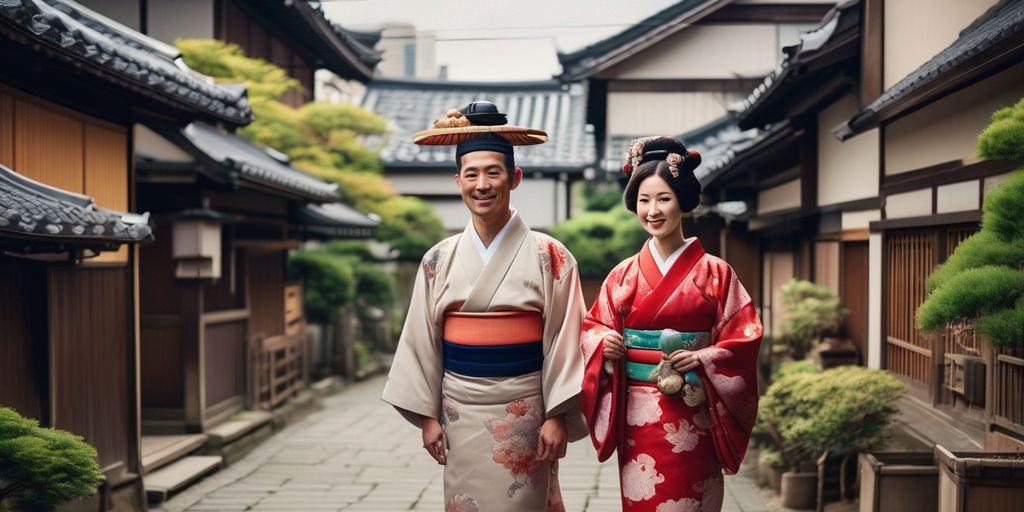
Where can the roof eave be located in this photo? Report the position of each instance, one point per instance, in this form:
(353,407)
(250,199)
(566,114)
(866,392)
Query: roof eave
(346,62)
(579,71)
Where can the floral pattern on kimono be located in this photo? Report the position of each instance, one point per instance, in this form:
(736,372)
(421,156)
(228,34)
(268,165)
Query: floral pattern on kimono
(672,455)
(461,503)
(515,442)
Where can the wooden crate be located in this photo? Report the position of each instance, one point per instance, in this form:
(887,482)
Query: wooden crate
(970,481)
(898,482)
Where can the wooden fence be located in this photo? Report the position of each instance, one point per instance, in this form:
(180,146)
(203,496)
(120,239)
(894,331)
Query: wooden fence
(280,364)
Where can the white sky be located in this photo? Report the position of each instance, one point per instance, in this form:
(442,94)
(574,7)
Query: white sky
(495,40)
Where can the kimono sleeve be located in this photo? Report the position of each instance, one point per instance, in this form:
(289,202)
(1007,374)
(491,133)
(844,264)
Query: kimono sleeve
(562,372)
(603,397)
(730,365)
(414,382)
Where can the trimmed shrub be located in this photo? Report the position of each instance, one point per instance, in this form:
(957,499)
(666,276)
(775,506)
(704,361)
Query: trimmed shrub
(810,313)
(842,410)
(43,467)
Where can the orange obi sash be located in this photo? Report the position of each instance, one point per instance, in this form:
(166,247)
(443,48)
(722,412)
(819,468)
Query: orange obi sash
(497,328)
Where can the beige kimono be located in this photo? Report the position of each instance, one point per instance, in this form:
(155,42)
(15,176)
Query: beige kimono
(491,424)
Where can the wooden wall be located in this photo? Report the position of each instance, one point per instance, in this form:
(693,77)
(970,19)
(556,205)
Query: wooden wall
(23,352)
(66,149)
(162,352)
(267,282)
(92,362)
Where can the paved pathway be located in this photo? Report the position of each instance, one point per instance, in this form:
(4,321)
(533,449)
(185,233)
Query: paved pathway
(358,454)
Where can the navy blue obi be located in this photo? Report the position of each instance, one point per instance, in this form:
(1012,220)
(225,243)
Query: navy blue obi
(493,360)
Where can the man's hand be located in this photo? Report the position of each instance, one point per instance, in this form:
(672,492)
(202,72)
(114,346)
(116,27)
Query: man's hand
(433,439)
(614,347)
(552,439)
(684,360)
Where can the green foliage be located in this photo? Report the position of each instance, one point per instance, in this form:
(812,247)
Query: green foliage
(323,139)
(330,282)
(1004,209)
(983,280)
(795,368)
(1002,139)
(771,457)
(981,249)
(603,201)
(600,240)
(43,467)
(842,410)
(971,293)
(373,286)
(811,312)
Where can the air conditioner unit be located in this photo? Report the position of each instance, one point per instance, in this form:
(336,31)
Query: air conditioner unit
(974,380)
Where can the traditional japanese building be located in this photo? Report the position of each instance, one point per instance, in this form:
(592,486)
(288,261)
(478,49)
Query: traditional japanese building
(550,170)
(71,88)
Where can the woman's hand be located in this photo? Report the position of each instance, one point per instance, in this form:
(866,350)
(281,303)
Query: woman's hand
(683,360)
(614,347)
(433,439)
(552,439)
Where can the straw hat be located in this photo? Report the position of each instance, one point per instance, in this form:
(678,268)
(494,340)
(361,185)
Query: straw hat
(473,120)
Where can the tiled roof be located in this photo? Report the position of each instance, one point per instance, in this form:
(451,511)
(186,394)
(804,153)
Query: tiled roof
(806,67)
(254,164)
(38,212)
(717,142)
(332,221)
(558,109)
(121,55)
(587,61)
(999,29)
(342,51)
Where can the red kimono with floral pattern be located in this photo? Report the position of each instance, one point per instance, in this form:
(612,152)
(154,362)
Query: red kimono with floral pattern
(672,455)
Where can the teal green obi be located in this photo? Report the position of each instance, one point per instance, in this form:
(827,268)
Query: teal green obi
(642,360)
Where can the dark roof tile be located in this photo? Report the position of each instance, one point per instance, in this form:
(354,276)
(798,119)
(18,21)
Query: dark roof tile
(120,52)
(558,109)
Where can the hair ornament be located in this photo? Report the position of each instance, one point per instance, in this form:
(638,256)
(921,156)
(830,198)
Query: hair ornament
(633,156)
(674,159)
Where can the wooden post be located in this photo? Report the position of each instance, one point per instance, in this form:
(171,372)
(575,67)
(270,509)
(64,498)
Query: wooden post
(192,343)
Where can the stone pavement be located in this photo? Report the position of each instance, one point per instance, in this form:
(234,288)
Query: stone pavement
(358,454)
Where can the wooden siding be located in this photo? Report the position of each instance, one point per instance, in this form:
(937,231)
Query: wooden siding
(48,146)
(225,361)
(853,292)
(6,130)
(23,354)
(92,360)
(1008,390)
(911,257)
(267,294)
(162,353)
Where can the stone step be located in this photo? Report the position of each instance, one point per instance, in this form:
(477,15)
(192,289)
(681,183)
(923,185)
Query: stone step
(159,451)
(179,475)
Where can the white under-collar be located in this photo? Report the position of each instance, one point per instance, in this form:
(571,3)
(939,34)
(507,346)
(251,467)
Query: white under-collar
(486,252)
(665,266)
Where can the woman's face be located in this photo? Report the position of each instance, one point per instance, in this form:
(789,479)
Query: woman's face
(657,207)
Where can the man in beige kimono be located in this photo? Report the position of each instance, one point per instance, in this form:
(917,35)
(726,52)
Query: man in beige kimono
(488,364)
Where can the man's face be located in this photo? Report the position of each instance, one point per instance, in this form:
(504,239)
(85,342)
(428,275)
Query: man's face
(485,183)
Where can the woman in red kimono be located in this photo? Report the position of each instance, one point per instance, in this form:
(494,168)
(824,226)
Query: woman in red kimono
(670,347)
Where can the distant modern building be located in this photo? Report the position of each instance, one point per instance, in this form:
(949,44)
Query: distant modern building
(427,172)
(408,54)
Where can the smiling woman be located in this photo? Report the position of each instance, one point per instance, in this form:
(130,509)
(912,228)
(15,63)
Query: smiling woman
(670,348)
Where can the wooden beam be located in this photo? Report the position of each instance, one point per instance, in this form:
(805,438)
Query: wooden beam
(871,51)
(744,85)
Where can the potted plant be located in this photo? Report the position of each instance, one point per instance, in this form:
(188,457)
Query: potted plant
(812,312)
(842,411)
(42,467)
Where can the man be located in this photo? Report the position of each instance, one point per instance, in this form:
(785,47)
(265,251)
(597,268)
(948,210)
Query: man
(488,365)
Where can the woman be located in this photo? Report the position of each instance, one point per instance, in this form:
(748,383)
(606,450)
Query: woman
(671,346)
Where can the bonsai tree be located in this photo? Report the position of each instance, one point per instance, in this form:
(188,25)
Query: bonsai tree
(43,467)
(982,281)
(843,410)
(811,313)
